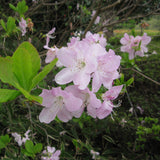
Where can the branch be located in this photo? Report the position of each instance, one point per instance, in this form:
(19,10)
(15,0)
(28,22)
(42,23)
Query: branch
(146,76)
(98,12)
(110,6)
(130,18)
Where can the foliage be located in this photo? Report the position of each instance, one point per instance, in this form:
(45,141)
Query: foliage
(21,71)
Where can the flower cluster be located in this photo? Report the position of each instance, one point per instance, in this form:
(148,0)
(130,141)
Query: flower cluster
(94,154)
(23,26)
(135,45)
(85,62)
(19,139)
(97,19)
(50,154)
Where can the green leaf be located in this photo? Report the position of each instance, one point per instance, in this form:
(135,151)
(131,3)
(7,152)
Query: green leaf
(12,7)
(109,139)
(130,81)
(6,73)
(28,95)
(37,148)
(136,67)
(11,25)
(29,146)
(2,145)
(43,73)
(26,63)
(3,25)
(8,95)
(5,139)
(133,32)
(122,77)
(22,7)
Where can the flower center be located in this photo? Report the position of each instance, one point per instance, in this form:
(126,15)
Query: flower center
(59,102)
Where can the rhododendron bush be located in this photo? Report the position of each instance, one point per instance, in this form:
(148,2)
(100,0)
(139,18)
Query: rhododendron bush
(86,85)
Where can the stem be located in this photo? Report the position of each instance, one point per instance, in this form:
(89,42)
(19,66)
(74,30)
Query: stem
(129,99)
(146,76)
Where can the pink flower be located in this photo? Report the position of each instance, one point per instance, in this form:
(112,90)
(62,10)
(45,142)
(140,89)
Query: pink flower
(107,105)
(95,38)
(51,54)
(73,41)
(128,42)
(51,154)
(48,38)
(97,19)
(135,45)
(106,71)
(58,102)
(112,93)
(79,62)
(23,26)
(94,154)
(19,139)
(89,100)
(144,40)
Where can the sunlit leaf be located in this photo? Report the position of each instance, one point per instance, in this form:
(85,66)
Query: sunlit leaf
(8,95)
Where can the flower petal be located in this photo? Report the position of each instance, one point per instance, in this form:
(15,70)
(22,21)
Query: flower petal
(48,114)
(64,76)
(64,115)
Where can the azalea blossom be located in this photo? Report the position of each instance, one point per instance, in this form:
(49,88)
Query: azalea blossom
(51,54)
(135,45)
(50,154)
(19,139)
(58,102)
(145,40)
(49,35)
(107,106)
(97,19)
(94,154)
(79,63)
(106,71)
(95,38)
(89,100)
(128,42)
(23,26)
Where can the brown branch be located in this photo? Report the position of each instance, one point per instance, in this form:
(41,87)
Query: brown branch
(110,6)
(130,18)
(96,14)
(146,76)
(53,4)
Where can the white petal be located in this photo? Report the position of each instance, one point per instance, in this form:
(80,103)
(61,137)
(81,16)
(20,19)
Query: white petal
(48,114)
(64,76)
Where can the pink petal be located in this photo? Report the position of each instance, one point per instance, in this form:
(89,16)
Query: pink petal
(91,111)
(48,114)
(50,56)
(104,110)
(96,82)
(52,31)
(48,98)
(72,103)
(82,80)
(64,76)
(64,115)
(78,113)
(66,56)
(113,93)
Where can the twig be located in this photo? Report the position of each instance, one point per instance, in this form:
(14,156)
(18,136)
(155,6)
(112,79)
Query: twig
(99,10)
(146,76)
(129,99)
